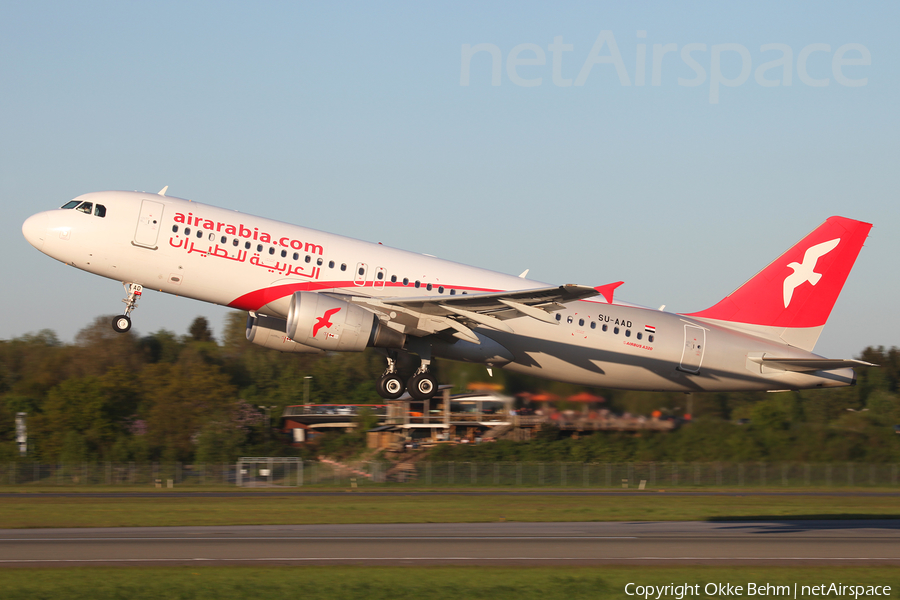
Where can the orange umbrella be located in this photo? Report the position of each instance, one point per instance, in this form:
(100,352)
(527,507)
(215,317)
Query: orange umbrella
(585,397)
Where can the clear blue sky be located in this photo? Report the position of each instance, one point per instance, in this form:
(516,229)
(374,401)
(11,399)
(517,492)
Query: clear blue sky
(351,118)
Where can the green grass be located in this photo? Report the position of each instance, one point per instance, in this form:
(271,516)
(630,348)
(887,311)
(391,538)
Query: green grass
(273,509)
(397,583)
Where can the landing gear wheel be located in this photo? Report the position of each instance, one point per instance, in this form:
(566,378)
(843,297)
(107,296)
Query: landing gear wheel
(122,323)
(389,386)
(422,386)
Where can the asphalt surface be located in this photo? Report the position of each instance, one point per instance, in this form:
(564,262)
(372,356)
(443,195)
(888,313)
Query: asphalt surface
(865,542)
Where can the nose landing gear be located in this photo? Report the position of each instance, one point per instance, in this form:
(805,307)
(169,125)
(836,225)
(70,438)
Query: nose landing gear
(122,323)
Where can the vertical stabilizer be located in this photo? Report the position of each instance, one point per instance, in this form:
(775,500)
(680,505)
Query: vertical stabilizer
(792,298)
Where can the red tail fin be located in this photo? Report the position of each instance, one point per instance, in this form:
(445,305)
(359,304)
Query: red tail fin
(798,289)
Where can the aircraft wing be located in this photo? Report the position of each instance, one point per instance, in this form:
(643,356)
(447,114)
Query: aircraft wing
(429,314)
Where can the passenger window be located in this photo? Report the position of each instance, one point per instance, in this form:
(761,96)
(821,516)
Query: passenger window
(246,245)
(362,271)
(100,211)
(330,264)
(440,289)
(224,240)
(418,284)
(650,338)
(174,228)
(605,327)
(187,231)
(581,322)
(393,279)
(199,234)
(271,249)
(593,325)
(558,317)
(428,287)
(296,256)
(452,292)
(308,258)
(259,247)
(86,207)
(212,237)
(627,333)
(234,242)
(616,330)
(71,204)
(569,320)
(343,267)
(379,275)
(405,281)
(284,254)
(319,262)
(639,336)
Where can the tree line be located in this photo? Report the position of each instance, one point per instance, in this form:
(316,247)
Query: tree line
(197,397)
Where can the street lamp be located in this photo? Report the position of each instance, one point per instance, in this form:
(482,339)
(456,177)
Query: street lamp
(306,380)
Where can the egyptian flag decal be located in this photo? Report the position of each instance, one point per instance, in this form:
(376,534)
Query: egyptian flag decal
(650,328)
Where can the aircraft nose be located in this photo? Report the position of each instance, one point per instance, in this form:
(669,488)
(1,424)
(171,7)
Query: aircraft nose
(35,229)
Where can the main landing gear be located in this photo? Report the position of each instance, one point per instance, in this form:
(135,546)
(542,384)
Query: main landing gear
(122,323)
(421,386)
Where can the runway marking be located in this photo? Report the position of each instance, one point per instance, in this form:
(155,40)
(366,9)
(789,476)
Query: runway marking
(437,558)
(320,538)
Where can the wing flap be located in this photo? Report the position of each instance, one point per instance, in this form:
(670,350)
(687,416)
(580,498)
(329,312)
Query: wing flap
(806,365)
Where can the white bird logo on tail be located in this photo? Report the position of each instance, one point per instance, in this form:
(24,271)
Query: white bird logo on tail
(806,271)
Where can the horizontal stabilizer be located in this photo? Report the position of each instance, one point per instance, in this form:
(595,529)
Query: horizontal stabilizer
(806,365)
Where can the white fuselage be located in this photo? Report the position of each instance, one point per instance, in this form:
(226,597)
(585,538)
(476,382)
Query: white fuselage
(255,264)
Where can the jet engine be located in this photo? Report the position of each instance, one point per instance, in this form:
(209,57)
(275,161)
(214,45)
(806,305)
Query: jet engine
(332,324)
(269,332)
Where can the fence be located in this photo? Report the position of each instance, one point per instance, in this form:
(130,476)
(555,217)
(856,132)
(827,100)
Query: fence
(465,474)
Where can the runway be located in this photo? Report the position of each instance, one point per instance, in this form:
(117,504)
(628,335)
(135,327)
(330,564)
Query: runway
(868,542)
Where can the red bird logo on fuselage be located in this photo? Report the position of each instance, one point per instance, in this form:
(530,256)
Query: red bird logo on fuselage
(324,321)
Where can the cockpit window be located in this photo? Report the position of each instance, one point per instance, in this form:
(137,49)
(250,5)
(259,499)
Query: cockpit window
(86,207)
(100,211)
(71,204)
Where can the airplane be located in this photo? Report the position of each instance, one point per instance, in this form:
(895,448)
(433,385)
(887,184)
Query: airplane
(308,291)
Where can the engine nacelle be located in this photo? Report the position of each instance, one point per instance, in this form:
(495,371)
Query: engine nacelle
(269,332)
(331,324)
